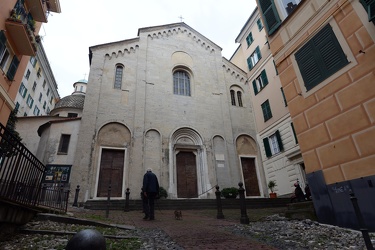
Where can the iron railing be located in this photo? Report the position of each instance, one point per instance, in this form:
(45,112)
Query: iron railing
(21,177)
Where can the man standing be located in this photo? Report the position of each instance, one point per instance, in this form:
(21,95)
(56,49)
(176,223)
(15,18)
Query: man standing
(150,190)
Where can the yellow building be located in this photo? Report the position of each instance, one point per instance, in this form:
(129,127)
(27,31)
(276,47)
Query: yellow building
(325,53)
(20,21)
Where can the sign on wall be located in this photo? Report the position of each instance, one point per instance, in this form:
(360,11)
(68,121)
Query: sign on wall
(55,173)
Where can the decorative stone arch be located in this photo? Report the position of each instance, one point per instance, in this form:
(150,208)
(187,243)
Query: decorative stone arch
(110,158)
(188,165)
(247,151)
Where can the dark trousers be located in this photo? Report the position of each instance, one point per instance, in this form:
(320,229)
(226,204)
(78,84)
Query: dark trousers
(150,207)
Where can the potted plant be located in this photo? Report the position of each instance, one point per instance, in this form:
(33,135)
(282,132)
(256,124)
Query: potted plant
(163,193)
(229,193)
(271,186)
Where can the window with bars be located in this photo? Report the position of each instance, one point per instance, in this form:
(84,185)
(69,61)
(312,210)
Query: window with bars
(64,144)
(273,144)
(260,82)
(181,83)
(239,98)
(118,76)
(266,109)
(233,97)
(320,58)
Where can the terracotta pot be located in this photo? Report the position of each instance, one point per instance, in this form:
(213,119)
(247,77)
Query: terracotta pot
(273,195)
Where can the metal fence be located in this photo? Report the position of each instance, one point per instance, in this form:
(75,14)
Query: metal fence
(21,176)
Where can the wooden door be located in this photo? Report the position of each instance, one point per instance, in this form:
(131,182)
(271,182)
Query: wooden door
(187,184)
(111,172)
(250,177)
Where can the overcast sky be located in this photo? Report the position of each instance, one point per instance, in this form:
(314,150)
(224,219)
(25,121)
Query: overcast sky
(83,23)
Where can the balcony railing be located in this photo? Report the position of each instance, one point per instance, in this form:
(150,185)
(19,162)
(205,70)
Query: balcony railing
(21,176)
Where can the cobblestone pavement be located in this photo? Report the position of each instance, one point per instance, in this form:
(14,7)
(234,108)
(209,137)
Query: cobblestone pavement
(199,229)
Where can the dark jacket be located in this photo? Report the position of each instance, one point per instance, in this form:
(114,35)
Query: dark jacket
(150,183)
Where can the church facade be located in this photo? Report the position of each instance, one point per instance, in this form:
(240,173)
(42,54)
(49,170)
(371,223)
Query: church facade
(169,101)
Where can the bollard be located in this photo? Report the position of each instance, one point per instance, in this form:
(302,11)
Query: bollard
(244,219)
(361,222)
(220,214)
(127,201)
(87,239)
(108,201)
(75,203)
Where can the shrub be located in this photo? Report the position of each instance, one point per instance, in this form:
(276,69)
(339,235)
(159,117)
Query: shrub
(163,192)
(231,192)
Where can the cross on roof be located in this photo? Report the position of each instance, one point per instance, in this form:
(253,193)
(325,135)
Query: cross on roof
(181,18)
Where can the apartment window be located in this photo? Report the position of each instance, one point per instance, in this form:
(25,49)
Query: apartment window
(27,74)
(44,105)
(22,90)
(44,84)
(118,76)
(29,101)
(40,97)
(4,53)
(17,107)
(34,86)
(260,25)
(36,111)
(181,83)
(369,6)
(233,97)
(239,98)
(47,92)
(270,15)
(249,39)
(33,61)
(254,58)
(289,5)
(64,144)
(320,58)
(273,144)
(72,115)
(50,101)
(283,94)
(39,72)
(260,82)
(266,109)
(48,110)
(13,68)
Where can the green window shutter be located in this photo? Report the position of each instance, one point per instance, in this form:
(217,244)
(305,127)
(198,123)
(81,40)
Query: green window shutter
(13,68)
(264,77)
(257,50)
(255,87)
(294,133)
(270,14)
(279,141)
(3,40)
(320,57)
(249,63)
(249,39)
(369,6)
(267,147)
(259,23)
(24,93)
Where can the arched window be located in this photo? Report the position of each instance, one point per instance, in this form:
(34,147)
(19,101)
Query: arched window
(239,97)
(118,76)
(233,97)
(181,83)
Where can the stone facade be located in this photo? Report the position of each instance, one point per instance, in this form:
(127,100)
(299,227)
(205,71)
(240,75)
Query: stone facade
(334,120)
(136,121)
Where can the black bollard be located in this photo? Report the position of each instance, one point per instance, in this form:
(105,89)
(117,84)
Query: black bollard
(127,201)
(75,203)
(244,219)
(361,222)
(86,240)
(220,214)
(108,201)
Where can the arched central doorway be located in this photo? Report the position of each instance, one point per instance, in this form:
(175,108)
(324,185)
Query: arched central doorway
(186,168)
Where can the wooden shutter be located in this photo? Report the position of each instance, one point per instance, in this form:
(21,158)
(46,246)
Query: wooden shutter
(255,87)
(3,40)
(279,141)
(263,75)
(267,147)
(320,57)
(270,15)
(13,68)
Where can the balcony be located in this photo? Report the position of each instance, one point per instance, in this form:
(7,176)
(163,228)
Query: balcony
(54,5)
(38,10)
(22,37)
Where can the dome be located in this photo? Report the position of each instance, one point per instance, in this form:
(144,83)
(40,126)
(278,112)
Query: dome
(71,101)
(82,81)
